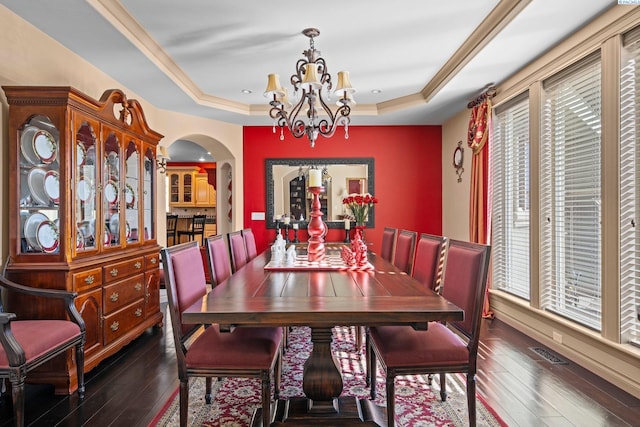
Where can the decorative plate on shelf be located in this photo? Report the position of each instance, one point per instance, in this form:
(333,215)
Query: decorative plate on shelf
(26,145)
(47,236)
(52,186)
(107,236)
(35,181)
(84,190)
(31,229)
(111,191)
(129,195)
(114,224)
(44,146)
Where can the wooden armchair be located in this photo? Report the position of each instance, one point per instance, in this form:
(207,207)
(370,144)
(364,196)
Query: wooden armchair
(27,344)
(442,348)
(205,351)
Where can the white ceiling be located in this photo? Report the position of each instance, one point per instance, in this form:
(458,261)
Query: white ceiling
(428,57)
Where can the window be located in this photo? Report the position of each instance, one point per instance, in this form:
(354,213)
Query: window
(570,231)
(510,209)
(629,188)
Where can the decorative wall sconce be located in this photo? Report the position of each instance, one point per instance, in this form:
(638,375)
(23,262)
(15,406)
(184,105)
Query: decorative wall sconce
(458,160)
(161,161)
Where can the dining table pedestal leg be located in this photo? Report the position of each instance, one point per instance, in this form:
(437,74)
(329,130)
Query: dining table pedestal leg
(322,384)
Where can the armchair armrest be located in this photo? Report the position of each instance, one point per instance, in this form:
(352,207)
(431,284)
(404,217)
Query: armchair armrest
(15,353)
(67,296)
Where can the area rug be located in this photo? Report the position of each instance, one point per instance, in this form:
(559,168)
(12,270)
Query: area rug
(417,403)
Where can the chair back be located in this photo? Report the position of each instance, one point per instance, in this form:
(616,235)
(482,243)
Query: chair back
(465,283)
(185,283)
(389,236)
(405,250)
(218,259)
(250,243)
(429,263)
(172,227)
(197,225)
(238,250)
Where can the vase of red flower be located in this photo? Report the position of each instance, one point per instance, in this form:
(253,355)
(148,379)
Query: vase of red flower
(359,206)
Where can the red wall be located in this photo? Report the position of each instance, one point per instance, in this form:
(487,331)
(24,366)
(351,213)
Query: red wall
(408,174)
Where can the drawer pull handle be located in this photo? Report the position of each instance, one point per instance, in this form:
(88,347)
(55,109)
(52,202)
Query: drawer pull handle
(154,260)
(114,272)
(114,297)
(138,286)
(89,279)
(138,265)
(115,325)
(138,312)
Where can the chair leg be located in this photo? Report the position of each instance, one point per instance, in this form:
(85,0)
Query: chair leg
(443,387)
(207,390)
(358,330)
(278,376)
(17,397)
(372,371)
(184,402)
(471,398)
(80,368)
(266,398)
(367,352)
(391,401)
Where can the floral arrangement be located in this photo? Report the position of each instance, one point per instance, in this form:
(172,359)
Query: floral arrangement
(359,205)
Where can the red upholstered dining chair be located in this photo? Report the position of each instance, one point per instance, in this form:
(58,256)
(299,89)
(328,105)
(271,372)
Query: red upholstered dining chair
(405,250)
(401,350)
(389,236)
(27,344)
(204,351)
(238,250)
(428,267)
(428,270)
(250,243)
(218,259)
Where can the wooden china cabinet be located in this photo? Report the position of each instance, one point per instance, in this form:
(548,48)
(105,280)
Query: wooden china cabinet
(82,195)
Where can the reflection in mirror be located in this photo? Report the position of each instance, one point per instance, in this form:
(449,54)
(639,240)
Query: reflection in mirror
(287,181)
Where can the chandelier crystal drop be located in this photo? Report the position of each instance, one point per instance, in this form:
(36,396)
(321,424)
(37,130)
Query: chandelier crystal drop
(312,85)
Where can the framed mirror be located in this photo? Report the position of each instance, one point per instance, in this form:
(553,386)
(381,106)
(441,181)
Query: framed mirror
(287,182)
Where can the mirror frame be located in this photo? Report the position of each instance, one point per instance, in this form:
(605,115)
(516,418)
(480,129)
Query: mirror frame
(297,162)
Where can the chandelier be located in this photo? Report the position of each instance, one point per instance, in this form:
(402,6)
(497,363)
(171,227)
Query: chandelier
(312,86)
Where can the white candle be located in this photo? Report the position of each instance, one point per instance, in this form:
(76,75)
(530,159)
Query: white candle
(287,219)
(347,224)
(295,225)
(315,178)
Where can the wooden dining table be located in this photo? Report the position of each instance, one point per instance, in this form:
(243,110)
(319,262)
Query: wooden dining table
(321,299)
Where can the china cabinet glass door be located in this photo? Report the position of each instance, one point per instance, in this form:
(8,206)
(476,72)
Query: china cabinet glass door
(111,180)
(148,191)
(86,180)
(131,192)
(39,164)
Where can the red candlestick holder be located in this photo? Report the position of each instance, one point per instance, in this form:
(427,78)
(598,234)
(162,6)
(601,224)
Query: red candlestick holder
(316,228)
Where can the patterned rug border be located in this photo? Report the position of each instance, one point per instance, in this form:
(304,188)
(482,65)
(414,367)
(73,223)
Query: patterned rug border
(452,412)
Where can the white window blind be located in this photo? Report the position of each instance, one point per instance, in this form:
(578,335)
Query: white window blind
(629,188)
(510,198)
(570,200)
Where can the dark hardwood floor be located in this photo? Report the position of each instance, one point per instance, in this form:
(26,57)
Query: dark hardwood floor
(525,389)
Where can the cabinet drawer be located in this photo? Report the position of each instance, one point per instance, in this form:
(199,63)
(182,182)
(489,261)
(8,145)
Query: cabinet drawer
(87,279)
(121,322)
(119,294)
(152,261)
(119,270)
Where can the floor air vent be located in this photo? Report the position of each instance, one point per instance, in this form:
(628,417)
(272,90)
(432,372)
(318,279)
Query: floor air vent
(548,356)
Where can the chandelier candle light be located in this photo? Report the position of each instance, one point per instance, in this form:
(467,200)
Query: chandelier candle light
(312,84)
